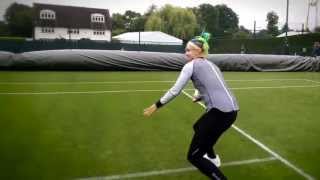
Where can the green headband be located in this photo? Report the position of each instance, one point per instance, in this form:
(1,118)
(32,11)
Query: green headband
(202,42)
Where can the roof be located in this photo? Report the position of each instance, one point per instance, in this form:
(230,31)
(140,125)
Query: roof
(148,37)
(292,33)
(70,16)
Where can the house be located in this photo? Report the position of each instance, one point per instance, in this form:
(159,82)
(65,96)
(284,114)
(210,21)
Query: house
(70,22)
(148,37)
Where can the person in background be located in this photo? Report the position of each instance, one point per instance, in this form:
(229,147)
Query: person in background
(316,49)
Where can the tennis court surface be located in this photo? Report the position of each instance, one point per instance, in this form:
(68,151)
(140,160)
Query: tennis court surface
(89,125)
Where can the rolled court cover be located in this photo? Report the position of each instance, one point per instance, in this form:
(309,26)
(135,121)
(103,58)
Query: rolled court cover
(111,60)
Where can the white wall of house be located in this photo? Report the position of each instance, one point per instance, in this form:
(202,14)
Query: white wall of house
(59,33)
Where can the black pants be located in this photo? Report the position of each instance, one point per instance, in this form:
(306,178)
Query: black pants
(208,129)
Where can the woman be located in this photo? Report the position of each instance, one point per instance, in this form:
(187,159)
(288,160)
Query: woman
(221,105)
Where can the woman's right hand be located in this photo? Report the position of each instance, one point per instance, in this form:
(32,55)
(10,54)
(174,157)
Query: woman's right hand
(150,110)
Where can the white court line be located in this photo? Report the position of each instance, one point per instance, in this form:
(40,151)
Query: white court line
(143,90)
(173,171)
(87,82)
(133,82)
(258,80)
(264,147)
(274,87)
(312,81)
(82,92)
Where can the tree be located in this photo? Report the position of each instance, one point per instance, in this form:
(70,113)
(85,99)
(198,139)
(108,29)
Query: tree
(228,21)
(19,20)
(207,18)
(218,20)
(138,23)
(118,22)
(150,10)
(242,28)
(3,29)
(154,22)
(272,19)
(176,21)
(242,33)
(263,34)
(284,28)
(130,21)
(133,21)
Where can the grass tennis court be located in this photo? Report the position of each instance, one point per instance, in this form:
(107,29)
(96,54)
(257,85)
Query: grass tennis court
(70,125)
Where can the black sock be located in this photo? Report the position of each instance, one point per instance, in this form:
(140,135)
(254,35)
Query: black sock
(211,154)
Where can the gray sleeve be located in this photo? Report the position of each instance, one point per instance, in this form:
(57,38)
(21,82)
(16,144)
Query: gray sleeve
(181,82)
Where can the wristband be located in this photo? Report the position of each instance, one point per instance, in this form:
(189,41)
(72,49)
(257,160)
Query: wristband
(159,104)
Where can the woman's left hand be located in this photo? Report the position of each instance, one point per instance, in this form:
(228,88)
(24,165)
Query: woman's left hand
(150,110)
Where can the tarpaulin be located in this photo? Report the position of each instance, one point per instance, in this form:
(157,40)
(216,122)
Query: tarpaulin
(112,60)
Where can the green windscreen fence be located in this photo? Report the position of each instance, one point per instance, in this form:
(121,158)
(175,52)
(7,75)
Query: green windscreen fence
(19,46)
(294,45)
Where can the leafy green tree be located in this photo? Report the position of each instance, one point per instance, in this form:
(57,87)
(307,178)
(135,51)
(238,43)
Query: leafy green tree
(242,33)
(150,10)
(118,24)
(19,20)
(284,28)
(142,21)
(228,21)
(220,20)
(3,29)
(263,34)
(179,22)
(130,21)
(207,18)
(272,27)
(154,22)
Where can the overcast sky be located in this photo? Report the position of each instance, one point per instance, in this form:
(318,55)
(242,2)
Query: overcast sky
(247,10)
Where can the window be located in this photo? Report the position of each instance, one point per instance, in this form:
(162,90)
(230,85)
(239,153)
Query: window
(98,32)
(73,31)
(47,14)
(47,30)
(97,17)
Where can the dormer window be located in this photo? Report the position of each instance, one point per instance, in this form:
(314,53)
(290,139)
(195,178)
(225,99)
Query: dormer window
(96,17)
(47,30)
(47,14)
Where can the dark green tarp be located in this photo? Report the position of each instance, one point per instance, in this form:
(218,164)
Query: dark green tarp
(112,60)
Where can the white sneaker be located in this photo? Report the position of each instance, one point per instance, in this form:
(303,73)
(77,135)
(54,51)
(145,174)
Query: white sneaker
(216,161)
